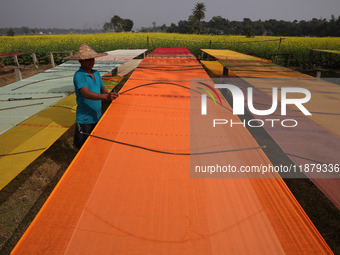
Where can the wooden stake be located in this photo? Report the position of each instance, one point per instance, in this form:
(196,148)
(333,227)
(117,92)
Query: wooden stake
(18,74)
(16,60)
(318,74)
(35,62)
(225,71)
(278,52)
(52,59)
(310,58)
(329,60)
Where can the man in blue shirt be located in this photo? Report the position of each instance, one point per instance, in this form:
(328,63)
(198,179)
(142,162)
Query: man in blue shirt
(90,90)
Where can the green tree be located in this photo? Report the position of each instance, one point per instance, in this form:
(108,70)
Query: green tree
(118,24)
(25,30)
(127,25)
(199,13)
(163,27)
(107,26)
(248,31)
(219,25)
(10,32)
(247,27)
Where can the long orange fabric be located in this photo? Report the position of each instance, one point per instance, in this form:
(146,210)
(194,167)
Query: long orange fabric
(118,199)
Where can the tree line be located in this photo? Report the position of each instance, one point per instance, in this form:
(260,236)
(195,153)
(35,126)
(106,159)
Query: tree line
(219,25)
(272,27)
(36,31)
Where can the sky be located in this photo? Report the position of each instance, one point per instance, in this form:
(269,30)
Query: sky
(94,13)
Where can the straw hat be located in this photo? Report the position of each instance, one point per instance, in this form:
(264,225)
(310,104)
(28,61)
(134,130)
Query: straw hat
(85,52)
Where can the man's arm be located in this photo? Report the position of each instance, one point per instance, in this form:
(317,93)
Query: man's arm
(104,95)
(92,95)
(103,90)
(113,95)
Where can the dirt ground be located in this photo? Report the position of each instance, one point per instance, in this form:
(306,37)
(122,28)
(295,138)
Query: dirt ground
(7,73)
(23,197)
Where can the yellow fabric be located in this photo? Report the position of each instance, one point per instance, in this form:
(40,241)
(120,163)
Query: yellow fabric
(230,54)
(238,65)
(31,138)
(214,66)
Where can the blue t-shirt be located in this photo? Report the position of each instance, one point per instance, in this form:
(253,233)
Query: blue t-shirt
(88,111)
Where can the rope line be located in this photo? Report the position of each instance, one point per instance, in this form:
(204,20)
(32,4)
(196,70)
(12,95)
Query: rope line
(61,106)
(34,82)
(29,98)
(22,152)
(169,152)
(14,107)
(173,84)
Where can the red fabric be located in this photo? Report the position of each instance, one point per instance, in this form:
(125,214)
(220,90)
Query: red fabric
(172,51)
(11,54)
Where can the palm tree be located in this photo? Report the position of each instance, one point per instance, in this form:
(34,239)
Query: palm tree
(199,13)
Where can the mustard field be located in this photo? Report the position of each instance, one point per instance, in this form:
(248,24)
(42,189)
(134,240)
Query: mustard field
(294,50)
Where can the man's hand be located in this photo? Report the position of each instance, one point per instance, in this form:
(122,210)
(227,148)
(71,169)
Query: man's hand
(104,95)
(112,96)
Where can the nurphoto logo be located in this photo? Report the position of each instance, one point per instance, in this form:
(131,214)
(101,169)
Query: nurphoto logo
(239,104)
(238,99)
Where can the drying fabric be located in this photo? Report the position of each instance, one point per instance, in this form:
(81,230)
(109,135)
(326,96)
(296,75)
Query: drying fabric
(243,65)
(123,55)
(118,199)
(22,99)
(28,140)
(316,139)
(214,66)
(307,143)
(129,66)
